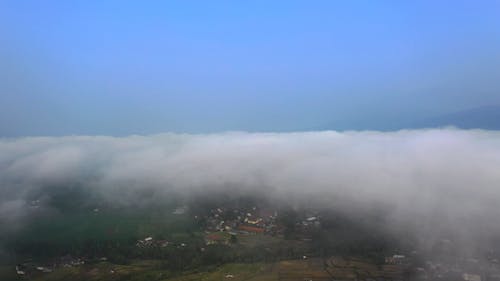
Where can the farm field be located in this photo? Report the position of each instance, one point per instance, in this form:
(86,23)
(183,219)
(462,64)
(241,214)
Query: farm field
(288,270)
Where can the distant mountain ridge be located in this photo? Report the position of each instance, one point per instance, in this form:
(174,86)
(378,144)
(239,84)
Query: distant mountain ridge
(486,117)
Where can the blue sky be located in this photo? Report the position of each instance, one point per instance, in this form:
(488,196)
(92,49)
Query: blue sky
(143,67)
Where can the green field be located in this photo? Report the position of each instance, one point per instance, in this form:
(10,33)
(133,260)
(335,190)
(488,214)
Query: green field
(95,233)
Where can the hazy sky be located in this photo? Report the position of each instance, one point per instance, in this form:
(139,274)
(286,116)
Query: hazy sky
(115,68)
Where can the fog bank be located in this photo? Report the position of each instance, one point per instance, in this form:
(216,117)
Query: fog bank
(441,178)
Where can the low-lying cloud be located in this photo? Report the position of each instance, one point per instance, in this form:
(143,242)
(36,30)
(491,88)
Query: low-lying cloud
(450,176)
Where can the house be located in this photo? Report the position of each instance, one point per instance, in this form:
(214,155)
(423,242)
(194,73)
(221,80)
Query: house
(216,238)
(253,221)
(19,270)
(395,259)
(251,229)
(44,269)
(69,261)
(148,241)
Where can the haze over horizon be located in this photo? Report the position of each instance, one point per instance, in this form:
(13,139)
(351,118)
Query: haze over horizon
(116,68)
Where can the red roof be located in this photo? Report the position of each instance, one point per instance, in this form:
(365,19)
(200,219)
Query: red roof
(215,237)
(251,228)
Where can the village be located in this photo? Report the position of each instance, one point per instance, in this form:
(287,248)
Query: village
(236,222)
(227,226)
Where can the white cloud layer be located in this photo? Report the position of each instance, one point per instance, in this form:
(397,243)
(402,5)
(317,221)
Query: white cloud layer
(450,174)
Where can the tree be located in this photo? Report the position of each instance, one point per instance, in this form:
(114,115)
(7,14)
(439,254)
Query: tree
(233,239)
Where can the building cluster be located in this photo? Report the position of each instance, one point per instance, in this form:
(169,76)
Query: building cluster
(150,242)
(241,221)
(30,268)
(396,259)
(306,224)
